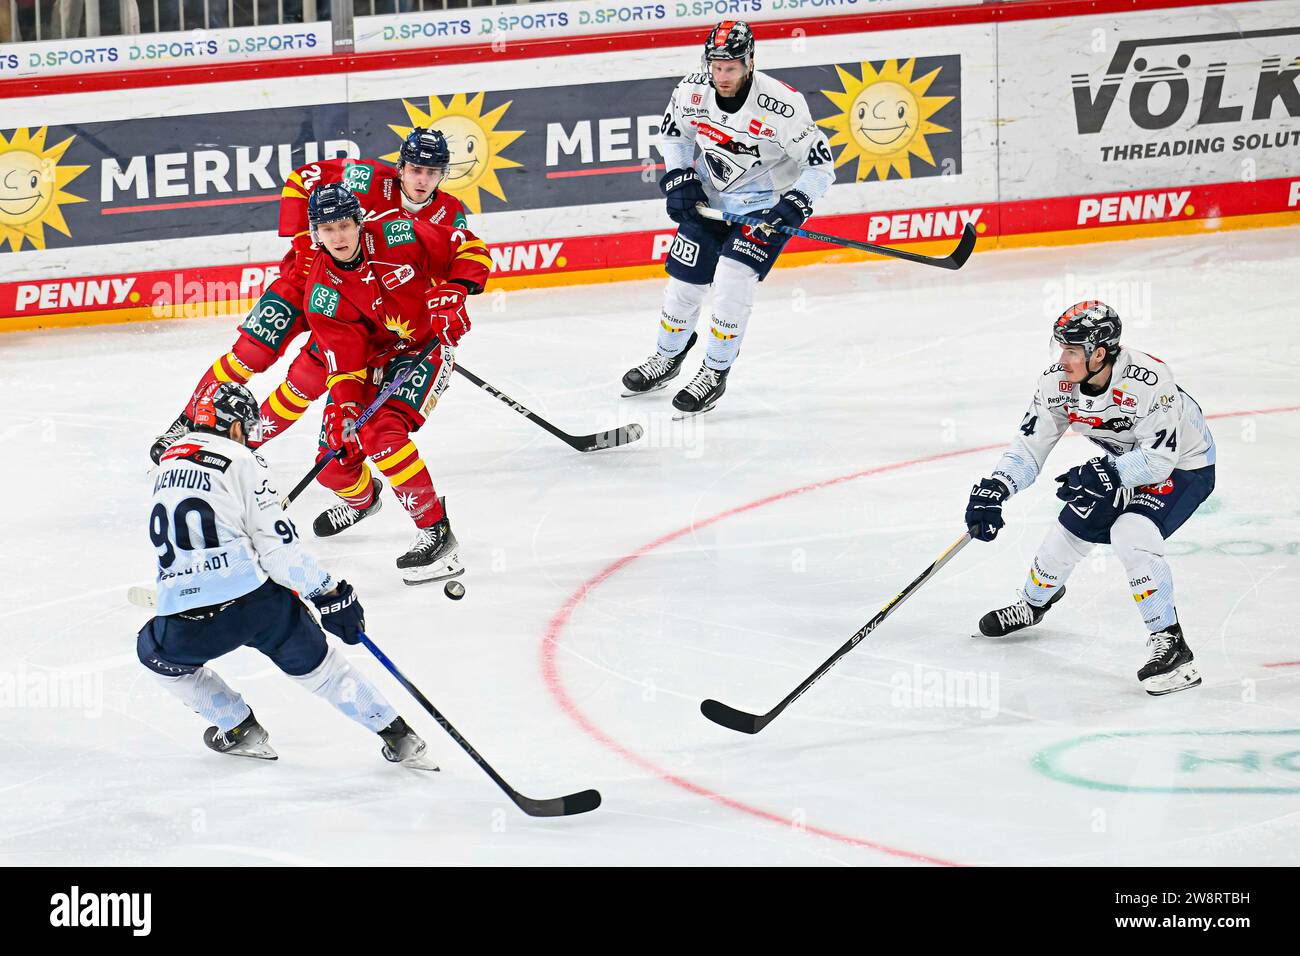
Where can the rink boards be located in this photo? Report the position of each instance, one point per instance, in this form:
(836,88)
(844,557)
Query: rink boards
(155,193)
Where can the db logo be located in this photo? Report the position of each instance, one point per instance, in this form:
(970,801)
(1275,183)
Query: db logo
(685,251)
(697,99)
(1065,386)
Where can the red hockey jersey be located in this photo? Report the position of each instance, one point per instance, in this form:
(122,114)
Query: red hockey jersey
(362,317)
(375,184)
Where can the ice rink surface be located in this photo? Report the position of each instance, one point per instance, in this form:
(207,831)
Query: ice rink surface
(608,594)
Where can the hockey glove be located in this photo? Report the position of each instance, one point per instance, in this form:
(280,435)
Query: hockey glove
(341,613)
(793,209)
(684,192)
(304,255)
(340,423)
(447,313)
(1093,481)
(984,509)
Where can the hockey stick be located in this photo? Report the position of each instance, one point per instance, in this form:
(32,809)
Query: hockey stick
(747,723)
(581,802)
(623,435)
(955,260)
(384,395)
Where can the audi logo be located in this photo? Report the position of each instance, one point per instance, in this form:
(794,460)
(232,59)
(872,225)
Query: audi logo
(1140,374)
(776,106)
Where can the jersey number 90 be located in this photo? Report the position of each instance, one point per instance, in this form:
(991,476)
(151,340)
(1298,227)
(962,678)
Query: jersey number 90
(160,531)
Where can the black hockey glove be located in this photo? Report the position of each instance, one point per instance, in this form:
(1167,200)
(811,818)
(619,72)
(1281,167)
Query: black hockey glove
(684,192)
(341,613)
(1093,481)
(984,509)
(793,209)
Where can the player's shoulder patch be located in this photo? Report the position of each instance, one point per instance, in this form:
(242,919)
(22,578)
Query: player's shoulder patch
(358,177)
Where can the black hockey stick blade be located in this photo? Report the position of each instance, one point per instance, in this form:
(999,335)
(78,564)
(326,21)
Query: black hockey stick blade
(963,250)
(584,801)
(623,435)
(733,719)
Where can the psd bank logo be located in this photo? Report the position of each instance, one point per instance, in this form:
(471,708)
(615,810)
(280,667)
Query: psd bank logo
(474,141)
(31,188)
(886,116)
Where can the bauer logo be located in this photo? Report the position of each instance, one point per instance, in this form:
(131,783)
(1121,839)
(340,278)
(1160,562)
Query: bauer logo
(889,114)
(323,300)
(398,233)
(357,177)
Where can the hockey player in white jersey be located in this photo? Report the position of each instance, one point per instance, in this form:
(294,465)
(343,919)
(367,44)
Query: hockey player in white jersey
(1157,470)
(760,154)
(229,564)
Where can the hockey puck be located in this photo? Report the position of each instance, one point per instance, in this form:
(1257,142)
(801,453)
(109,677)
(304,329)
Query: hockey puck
(454,590)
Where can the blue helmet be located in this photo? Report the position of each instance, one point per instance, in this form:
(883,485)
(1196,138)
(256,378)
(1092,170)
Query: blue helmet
(425,147)
(330,202)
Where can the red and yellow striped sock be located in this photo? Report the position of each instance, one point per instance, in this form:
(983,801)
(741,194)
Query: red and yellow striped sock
(412,484)
(282,408)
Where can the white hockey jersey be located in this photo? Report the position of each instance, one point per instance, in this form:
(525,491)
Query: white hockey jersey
(1143,421)
(747,159)
(218,527)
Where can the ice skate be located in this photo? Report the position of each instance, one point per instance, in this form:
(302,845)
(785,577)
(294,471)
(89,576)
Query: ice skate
(1170,666)
(174,433)
(1015,617)
(403,745)
(432,556)
(343,516)
(701,394)
(248,739)
(655,372)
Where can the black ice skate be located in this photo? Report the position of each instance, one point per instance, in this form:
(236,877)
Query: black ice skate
(174,433)
(403,745)
(1170,666)
(655,372)
(1015,617)
(249,739)
(432,556)
(701,393)
(343,516)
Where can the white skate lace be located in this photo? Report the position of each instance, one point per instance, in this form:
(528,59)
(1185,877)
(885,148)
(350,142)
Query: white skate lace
(424,539)
(1160,645)
(655,366)
(703,382)
(342,516)
(1020,613)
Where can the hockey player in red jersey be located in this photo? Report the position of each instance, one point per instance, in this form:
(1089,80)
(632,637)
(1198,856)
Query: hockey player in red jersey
(379,294)
(409,192)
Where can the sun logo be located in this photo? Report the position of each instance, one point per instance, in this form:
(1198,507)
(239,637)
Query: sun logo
(31,188)
(398,326)
(884,118)
(473,140)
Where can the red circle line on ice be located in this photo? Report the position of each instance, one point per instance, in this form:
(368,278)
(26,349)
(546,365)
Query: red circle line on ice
(556,626)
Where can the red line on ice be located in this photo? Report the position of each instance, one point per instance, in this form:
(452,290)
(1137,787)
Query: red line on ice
(555,632)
